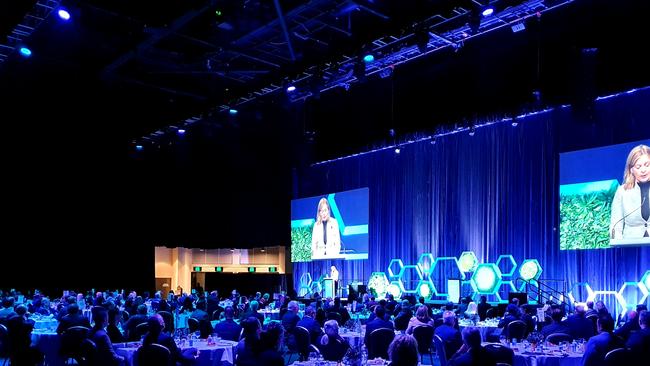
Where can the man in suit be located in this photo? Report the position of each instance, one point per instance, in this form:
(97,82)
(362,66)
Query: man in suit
(156,325)
(471,353)
(20,338)
(290,318)
(639,341)
(448,333)
(579,325)
(600,344)
(105,353)
(377,322)
(228,329)
(72,319)
(483,307)
(556,326)
(590,309)
(631,325)
(134,321)
(213,305)
(309,322)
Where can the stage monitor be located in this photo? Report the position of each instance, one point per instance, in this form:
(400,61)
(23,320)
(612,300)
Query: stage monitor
(331,226)
(604,199)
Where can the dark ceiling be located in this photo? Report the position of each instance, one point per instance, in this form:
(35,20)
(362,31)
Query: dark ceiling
(123,70)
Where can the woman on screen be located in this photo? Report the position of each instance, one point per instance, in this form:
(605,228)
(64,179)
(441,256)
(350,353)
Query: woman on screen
(631,204)
(325,237)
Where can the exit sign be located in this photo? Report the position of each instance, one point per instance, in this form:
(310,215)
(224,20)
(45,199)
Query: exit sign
(218,269)
(251,269)
(273,269)
(197,269)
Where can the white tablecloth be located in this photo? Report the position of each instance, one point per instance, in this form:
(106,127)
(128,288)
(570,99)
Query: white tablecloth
(222,353)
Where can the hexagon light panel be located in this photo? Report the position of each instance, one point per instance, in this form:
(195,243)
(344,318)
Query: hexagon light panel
(378,282)
(576,295)
(396,288)
(530,270)
(467,262)
(410,278)
(395,268)
(507,265)
(633,293)
(486,278)
(426,289)
(645,280)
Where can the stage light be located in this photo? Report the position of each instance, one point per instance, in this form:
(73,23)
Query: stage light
(181,131)
(472,131)
(467,262)
(25,52)
(232,111)
(397,150)
(291,88)
(139,147)
(368,58)
(486,278)
(488,11)
(530,270)
(63,14)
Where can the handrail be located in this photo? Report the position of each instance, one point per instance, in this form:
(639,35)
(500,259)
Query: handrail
(545,292)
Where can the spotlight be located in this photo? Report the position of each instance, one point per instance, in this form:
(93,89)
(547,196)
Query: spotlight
(63,14)
(368,58)
(472,131)
(514,122)
(181,131)
(25,52)
(488,11)
(139,147)
(291,88)
(233,111)
(397,150)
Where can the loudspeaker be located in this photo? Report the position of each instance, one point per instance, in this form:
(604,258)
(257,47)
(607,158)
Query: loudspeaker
(522,296)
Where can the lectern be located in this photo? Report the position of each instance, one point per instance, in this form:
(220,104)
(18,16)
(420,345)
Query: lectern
(328,287)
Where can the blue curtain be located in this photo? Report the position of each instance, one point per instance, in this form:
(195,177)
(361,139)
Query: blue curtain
(493,193)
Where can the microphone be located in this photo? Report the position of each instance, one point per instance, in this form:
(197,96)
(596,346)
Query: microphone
(624,217)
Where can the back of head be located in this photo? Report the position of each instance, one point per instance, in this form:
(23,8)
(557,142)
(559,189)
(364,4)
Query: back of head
(512,309)
(272,336)
(73,309)
(403,351)
(293,306)
(100,316)
(331,327)
(250,326)
(472,337)
(310,311)
(422,313)
(228,313)
(605,323)
(21,310)
(142,309)
(449,318)
(380,312)
(254,305)
(557,314)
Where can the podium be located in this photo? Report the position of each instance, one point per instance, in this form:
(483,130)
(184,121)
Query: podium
(328,288)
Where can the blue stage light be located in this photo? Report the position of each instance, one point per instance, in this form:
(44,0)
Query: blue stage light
(233,111)
(64,14)
(181,131)
(291,88)
(25,52)
(368,58)
(488,11)
(397,150)
(139,147)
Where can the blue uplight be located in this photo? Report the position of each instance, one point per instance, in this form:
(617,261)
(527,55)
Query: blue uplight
(181,131)
(488,11)
(291,88)
(368,58)
(64,14)
(25,52)
(139,147)
(233,111)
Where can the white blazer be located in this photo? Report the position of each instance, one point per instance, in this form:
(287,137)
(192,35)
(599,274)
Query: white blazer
(626,221)
(332,248)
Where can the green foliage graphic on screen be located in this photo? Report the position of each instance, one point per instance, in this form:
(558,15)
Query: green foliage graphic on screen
(585,211)
(301,243)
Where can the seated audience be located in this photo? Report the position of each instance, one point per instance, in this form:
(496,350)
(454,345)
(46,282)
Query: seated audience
(421,318)
(403,351)
(471,353)
(598,345)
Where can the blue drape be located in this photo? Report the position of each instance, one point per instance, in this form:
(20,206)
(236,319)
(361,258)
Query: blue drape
(493,193)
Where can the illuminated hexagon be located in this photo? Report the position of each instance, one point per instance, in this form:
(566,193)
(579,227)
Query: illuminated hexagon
(577,297)
(407,277)
(426,289)
(396,288)
(426,263)
(467,262)
(305,279)
(505,288)
(502,266)
(486,278)
(395,268)
(379,283)
(530,270)
(531,288)
(316,287)
(444,268)
(303,291)
(645,280)
(631,296)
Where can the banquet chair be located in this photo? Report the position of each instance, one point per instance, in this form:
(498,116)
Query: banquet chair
(517,329)
(378,343)
(440,350)
(500,353)
(424,336)
(153,354)
(71,342)
(618,357)
(556,338)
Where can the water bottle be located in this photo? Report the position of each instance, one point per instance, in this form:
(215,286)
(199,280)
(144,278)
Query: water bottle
(364,356)
(192,340)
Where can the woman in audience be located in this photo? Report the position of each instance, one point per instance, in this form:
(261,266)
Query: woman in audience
(421,318)
(472,312)
(332,345)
